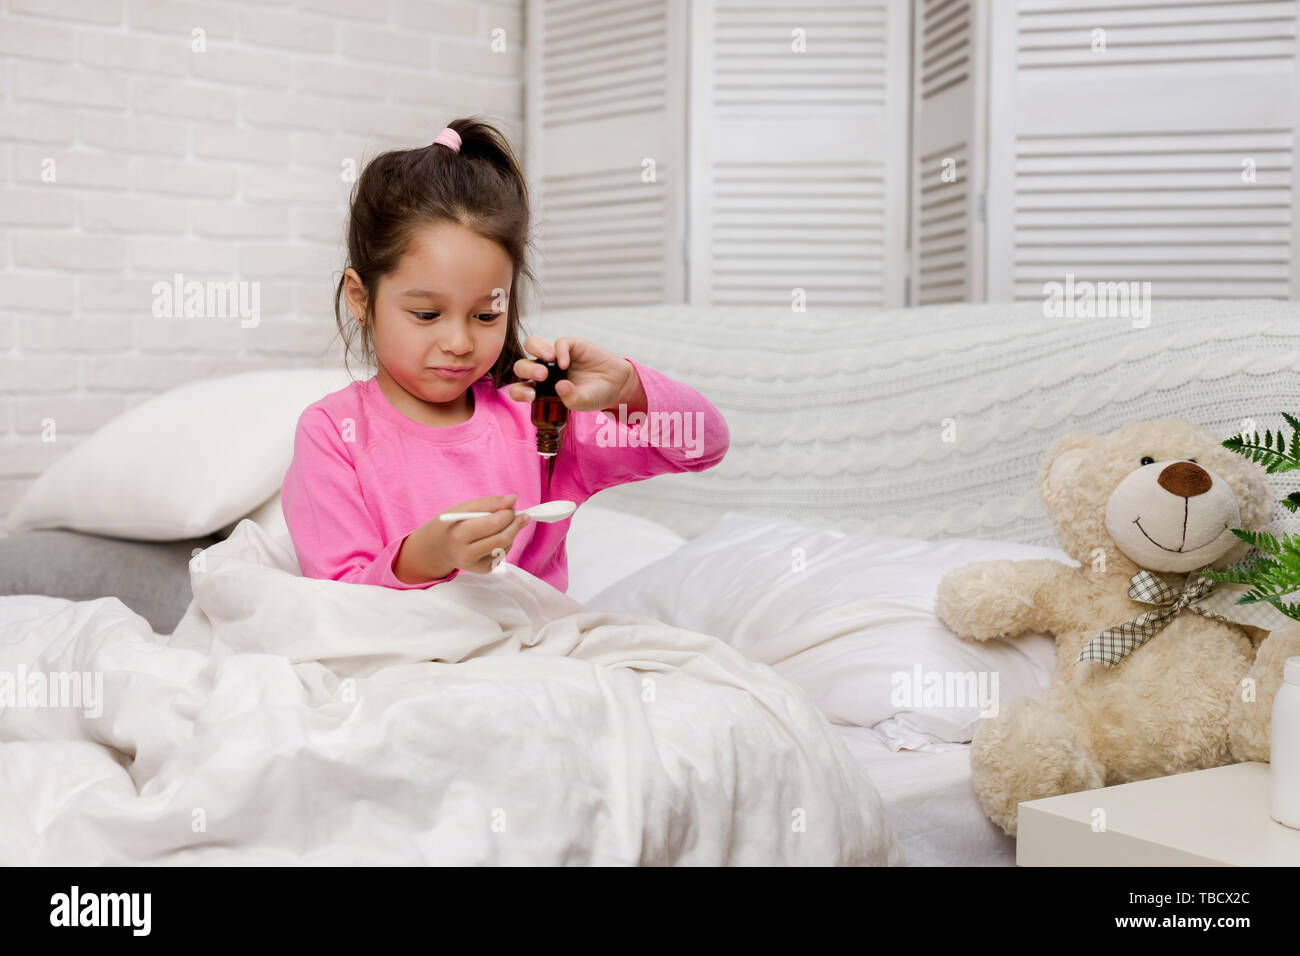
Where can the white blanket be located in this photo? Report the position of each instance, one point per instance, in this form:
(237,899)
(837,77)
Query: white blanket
(489,720)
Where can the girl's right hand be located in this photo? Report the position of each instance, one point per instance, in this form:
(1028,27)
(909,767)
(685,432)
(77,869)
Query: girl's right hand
(471,544)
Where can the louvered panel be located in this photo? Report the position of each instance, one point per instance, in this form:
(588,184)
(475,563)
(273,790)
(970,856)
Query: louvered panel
(606,149)
(604,237)
(1169,158)
(942,226)
(815,226)
(1167,209)
(943,45)
(1202,38)
(602,59)
(946,136)
(755,67)
(800,182)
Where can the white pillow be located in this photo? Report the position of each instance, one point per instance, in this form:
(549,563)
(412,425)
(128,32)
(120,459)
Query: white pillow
(181,464)
(604,546)
(269,514)
(855,628)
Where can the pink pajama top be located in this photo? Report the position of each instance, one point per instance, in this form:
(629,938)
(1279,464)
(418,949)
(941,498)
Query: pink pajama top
(364,476)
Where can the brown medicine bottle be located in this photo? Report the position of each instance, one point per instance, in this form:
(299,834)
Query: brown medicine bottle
(550,414)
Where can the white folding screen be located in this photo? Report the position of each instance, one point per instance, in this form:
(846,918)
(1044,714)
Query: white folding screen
(734,151)
(949,86)
(798,152)
(1146,141)
(605,149)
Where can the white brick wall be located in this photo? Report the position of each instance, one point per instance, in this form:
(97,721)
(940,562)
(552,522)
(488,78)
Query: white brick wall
(223,165)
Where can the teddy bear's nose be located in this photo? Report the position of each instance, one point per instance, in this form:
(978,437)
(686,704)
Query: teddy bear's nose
(1185,479)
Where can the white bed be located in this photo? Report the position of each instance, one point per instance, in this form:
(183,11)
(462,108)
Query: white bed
(490,720)
(855,619)
(930,804)
(891,445)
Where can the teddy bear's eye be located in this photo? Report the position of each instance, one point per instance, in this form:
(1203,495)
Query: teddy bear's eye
(1148,460)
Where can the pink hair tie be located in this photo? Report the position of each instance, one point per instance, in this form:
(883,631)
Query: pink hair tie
(449,138)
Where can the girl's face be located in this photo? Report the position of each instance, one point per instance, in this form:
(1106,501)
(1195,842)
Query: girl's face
(444,306)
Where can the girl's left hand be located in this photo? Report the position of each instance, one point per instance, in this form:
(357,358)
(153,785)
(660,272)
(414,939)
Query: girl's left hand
(596,377)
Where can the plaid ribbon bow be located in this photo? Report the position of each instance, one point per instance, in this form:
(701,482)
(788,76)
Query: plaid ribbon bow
(1115,643)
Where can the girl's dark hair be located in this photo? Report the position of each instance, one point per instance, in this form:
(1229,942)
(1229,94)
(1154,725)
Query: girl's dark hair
(402,191)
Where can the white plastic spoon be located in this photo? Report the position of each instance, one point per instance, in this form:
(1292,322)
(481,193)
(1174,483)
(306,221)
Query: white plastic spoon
(547,511)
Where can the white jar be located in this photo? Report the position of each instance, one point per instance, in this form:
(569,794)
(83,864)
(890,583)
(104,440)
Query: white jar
(1284,750)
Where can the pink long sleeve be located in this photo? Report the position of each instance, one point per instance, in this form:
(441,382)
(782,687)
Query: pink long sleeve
(325,509)
(682,431)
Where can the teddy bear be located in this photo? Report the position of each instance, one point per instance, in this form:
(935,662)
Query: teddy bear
(1145,684)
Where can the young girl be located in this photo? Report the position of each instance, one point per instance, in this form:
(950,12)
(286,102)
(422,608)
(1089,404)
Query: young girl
(436,246)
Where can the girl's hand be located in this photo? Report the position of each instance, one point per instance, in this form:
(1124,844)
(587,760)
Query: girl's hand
(596,380)
(476,544)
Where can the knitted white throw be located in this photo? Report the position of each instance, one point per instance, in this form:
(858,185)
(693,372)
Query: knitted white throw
(933,422)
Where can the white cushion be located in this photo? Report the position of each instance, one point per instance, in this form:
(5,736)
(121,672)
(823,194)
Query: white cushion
(269,514)
(181,464)
(855,628)
(604,546)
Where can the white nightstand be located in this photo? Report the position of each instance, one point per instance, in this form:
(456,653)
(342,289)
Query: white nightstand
(1213,817)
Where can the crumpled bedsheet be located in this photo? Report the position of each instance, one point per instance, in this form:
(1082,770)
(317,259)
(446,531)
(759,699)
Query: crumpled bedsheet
(488,720)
